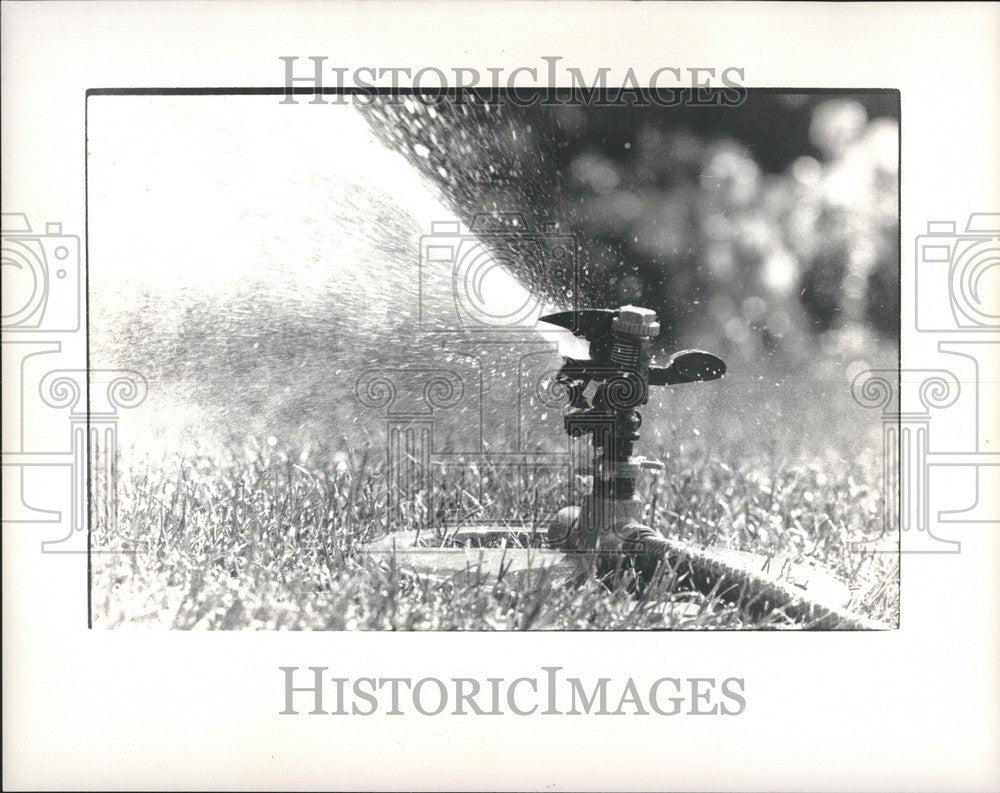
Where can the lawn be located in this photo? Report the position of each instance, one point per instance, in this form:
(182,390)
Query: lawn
(266,536)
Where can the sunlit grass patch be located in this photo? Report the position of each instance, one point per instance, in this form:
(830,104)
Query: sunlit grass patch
(270,537)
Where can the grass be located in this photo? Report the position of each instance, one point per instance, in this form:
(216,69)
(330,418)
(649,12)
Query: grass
(272,538)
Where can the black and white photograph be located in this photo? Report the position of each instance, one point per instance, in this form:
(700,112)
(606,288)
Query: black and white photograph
(483,361)
(425,395)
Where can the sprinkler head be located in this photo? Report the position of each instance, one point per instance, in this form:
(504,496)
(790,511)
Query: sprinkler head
(620,362)
(635,321)
(619,342)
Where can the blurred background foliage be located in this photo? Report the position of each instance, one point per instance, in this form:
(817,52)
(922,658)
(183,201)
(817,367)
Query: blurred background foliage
(764,229)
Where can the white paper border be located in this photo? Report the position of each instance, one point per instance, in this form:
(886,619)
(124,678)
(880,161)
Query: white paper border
(910,709)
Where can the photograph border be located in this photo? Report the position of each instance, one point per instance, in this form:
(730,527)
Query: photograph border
(409,91)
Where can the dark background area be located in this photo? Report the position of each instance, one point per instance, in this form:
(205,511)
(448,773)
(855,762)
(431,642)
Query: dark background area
(763,228)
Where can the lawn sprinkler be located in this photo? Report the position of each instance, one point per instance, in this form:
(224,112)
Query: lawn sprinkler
(609,522)
(605,535)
